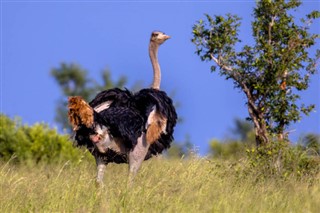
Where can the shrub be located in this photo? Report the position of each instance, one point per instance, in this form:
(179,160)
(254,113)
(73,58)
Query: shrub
(228,149)
(37,143)
(282,159)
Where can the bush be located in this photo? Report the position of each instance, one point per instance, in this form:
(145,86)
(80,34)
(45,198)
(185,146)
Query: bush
(311,143)
(228,149)
(282,159)
(37,143)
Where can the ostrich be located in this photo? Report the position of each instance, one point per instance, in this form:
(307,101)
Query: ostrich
(118,126)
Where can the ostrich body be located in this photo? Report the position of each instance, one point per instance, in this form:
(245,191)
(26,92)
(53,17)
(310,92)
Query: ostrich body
(118,126)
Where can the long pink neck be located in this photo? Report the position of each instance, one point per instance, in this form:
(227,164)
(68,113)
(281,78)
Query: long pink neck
(153,53)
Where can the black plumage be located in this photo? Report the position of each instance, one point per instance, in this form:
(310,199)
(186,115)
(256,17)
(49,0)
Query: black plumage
(123,122)
(121,127)
(117,96)
(145,100)
(126,118)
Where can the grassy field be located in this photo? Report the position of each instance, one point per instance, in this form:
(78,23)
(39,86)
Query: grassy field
(195,185)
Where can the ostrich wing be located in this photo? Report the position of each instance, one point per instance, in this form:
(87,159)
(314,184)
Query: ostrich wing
(123,122)
(160,115)
(111,97)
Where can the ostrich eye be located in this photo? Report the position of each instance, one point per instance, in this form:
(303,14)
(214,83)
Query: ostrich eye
(155,34)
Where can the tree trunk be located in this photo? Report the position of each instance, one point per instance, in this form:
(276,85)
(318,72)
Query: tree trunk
(260,127)
(261,135)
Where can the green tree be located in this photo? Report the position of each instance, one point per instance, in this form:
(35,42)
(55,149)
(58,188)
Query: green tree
(74,81)
(270,72)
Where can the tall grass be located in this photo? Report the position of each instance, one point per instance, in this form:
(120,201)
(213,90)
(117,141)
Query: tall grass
(195,185)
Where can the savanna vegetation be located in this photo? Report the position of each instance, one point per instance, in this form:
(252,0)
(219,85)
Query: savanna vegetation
(41,170)
(194,185)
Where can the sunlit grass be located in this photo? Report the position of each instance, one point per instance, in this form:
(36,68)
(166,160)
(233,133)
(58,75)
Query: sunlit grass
(195,185)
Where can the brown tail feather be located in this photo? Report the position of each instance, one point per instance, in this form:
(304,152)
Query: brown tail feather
(79,112)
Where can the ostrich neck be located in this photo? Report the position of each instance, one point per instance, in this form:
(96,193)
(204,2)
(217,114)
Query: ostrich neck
(153,52)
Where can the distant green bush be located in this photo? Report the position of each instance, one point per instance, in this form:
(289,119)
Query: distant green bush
(37,143)
(274,160)
(282,160)
(228,149)
(311,143)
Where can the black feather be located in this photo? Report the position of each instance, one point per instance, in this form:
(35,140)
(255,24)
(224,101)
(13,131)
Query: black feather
(81,137)
(118,97)
(126,118)
(144,101)
(123,122)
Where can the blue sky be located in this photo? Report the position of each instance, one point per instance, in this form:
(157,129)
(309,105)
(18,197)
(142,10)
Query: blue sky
(37,36)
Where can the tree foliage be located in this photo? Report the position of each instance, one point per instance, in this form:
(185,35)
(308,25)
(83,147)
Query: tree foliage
(74,81)
(273,70)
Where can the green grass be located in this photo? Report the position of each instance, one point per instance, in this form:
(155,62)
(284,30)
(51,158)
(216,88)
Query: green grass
(195,185)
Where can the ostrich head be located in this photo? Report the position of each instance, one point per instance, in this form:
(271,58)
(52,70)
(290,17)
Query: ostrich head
(158,37)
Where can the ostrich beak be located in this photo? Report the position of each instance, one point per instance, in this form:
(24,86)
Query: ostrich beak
(167,37)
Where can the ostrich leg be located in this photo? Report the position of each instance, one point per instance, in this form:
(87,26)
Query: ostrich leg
(101,167)
(137,156)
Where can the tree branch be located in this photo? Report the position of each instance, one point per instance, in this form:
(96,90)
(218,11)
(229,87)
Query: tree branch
(270,28)
(236,76)
(218,62)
